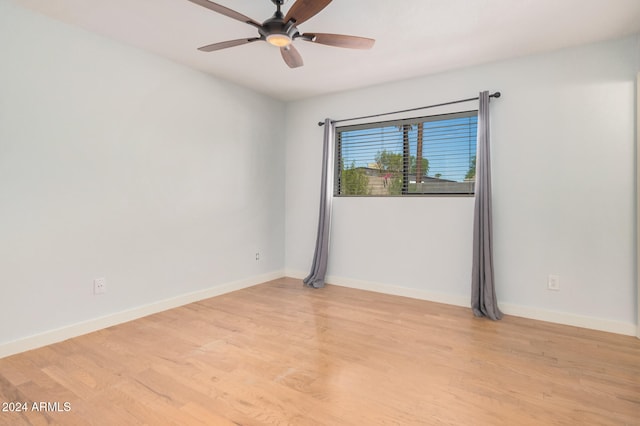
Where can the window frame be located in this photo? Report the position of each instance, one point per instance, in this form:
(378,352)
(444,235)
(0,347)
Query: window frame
(406,154)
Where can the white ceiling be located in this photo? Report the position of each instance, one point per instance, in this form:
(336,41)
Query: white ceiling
(414,37)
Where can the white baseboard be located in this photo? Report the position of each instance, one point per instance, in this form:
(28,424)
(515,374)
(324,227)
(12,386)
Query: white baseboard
(78,329)
(94,324)
(600,324)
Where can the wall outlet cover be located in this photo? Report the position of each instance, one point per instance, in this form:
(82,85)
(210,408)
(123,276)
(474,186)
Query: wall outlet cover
(99,286)
(553,282)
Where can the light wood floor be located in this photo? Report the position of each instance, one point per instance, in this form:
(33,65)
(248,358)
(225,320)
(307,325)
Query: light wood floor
(279,354)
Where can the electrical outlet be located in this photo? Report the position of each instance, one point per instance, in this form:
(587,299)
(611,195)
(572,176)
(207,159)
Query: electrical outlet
(553,283)
(257,256)
(99,286)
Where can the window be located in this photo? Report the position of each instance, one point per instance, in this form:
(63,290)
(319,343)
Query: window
(417,156)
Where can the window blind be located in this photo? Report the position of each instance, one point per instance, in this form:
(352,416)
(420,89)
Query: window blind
(424,155)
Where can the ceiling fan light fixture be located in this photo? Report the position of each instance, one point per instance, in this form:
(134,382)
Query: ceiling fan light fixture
(279,40)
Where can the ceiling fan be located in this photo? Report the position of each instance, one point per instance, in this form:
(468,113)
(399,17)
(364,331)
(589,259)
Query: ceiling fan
(281,30)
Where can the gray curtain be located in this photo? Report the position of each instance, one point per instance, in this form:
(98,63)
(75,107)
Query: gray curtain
(483,293)
(319,266)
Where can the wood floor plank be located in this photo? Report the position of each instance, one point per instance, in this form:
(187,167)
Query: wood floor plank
(283,354)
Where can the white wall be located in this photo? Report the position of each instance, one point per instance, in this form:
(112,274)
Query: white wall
(563,173)
(119,164)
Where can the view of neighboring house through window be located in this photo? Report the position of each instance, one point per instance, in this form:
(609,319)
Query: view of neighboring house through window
(425,155)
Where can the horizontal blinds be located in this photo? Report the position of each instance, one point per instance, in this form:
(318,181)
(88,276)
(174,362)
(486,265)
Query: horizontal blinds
(425,155)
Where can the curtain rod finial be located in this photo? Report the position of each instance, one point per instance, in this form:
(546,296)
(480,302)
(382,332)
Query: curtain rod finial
(321,123)
(497,95)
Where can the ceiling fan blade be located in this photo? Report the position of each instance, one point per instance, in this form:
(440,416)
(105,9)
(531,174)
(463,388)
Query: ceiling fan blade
(225,44)
(340,40)
(291,56)
(227,12)
(303,10)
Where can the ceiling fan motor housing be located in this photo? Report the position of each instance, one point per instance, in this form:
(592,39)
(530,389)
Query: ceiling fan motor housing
(276,27)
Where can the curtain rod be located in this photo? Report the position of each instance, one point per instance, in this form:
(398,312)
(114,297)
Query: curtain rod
(495,95)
